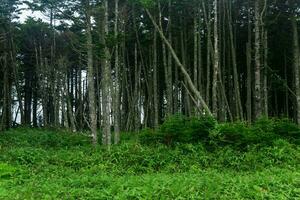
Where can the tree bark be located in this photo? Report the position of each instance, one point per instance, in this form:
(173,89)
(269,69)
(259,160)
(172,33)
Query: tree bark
(106,80)
(257,91)
(155,81)
(117,98)
(249,67)
(238,103)
(216,61)
(296,66)
(90,75)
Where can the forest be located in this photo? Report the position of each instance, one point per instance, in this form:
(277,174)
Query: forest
(149,99)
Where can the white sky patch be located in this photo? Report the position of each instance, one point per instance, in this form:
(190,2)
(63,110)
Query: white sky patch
(26,12)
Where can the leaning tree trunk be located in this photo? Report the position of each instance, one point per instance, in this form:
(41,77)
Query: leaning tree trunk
(181,66)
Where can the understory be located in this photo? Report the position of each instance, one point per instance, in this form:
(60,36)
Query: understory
(56,164)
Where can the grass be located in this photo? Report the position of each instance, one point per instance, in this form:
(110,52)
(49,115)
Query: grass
(44,164)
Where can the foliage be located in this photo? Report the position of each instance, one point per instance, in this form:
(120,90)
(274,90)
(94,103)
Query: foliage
(240,134)
(180,129)
(6,170)
(286,128)
(25,137)
(47,164)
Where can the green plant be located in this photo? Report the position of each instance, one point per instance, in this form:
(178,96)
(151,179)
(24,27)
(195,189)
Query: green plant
(6,170)
(132,170)
(286,128)
(181,129)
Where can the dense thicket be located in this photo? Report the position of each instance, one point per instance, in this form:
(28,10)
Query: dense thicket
(124,65)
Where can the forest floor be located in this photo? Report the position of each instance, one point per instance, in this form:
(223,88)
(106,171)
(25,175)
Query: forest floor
(43,164)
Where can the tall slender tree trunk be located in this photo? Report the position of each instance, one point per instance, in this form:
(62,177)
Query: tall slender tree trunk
(106,80)
(208,53)
(196,54)
(117,98)
(238,103)
(286,88)
(90,75)
(296,66)
(200,61)
(6,110)
(185,96)
(155,81)
(169,68)
(249,67)
(257,91)
(136,102)
(165,67)
(265,77)
(216,61)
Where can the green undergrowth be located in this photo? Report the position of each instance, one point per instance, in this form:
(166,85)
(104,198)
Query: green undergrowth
(48,164)
(180,129)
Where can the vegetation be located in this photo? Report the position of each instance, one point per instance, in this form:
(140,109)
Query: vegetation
(122,65)
(228,161)
(188,99)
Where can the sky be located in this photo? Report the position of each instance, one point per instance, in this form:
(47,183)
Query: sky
(28,13)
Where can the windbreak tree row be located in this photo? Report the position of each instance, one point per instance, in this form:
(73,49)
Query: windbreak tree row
(123,65)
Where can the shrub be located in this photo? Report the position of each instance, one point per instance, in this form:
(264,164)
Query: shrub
(180,129)
(149,136)
(236,134)
(198,129)
(286,128)
(173,128)
(240,134)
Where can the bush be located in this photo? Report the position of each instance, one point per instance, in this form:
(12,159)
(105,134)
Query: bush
(240,134)
(180,129)
(173,128)
(149,136)
(286,128)
(236,134)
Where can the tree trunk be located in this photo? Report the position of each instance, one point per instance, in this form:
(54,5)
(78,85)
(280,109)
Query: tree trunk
(90,76)
(155,81)
(216,62)
(249,68)
(117,98)
(296,66)
(265,77)
(238,103)
(169,80)
(106,80)
(181,66)
(257,91)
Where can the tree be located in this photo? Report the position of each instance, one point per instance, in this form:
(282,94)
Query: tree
(90,71)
